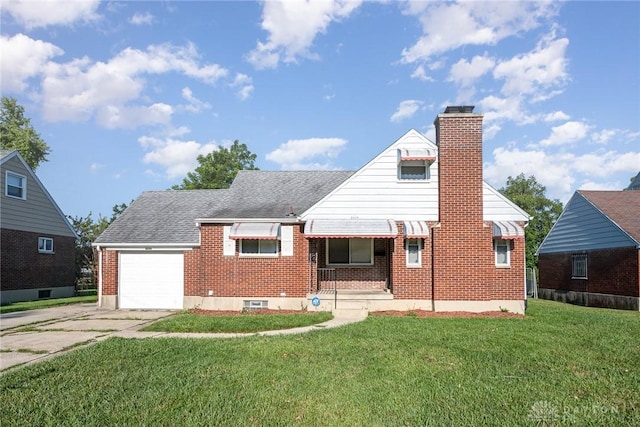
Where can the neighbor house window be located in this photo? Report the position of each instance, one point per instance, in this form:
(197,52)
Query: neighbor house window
(579,266)
(502,249)
(413,169)
(258,247)
(45,245)
(16,185)
(350,251)
(414,250)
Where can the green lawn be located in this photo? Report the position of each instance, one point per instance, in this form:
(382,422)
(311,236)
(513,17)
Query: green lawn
(561,365)
(245,322)
(33,305)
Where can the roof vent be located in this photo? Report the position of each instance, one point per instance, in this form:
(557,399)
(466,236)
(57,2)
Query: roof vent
(453,109)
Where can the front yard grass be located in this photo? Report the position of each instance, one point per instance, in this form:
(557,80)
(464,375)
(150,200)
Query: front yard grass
(34,305)
(244,322)
(560,365)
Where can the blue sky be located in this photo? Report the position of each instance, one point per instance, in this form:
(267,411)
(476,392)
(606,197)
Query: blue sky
(127,94)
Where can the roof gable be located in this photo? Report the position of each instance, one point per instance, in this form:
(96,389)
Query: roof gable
(584,226)
(39,212)
(621,207)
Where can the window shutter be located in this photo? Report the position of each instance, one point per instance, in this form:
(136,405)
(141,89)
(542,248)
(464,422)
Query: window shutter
(229,245)
(286,240)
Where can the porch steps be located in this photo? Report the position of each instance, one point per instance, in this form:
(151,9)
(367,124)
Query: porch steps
(354,302)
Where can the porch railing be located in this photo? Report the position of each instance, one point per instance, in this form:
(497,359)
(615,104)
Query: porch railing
(327,283)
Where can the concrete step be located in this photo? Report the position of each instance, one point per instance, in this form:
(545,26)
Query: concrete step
(350,313)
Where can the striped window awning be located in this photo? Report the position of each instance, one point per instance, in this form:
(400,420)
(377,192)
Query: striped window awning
(415,229)
(507,230)
(416,154)
(346,228)
(255,230)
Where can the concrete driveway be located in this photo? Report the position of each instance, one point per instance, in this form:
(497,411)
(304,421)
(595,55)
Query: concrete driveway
(35,335)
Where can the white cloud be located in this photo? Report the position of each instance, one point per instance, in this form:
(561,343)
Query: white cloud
(306,154)
(448,26)
(292,28)
(81,89)
(556,116)
(406,110)
(195,105)
(465,73)
(177,157)
(420,74)
(44,13)
(23,58)
(566,133)
(559,172)
(95,167)
(244,83)
(140,18)
(535,72)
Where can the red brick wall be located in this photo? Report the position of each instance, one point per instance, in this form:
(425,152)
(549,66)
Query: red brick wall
(23,267)
(236,276)
(609,271)
(410,282)
(508,283)
(109,272)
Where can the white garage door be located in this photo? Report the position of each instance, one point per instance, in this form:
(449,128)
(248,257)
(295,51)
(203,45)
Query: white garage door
(151,280)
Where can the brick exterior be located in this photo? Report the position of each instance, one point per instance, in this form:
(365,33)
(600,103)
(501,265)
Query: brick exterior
(23,267)
(410,282)
(109,272)
(609,271)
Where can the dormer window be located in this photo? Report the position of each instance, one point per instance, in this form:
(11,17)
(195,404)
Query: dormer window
(15,185)
(413,164)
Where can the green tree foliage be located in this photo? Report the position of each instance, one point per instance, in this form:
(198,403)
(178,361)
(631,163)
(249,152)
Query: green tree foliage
(16,133)
(88,229)
(530,196)
(219,168)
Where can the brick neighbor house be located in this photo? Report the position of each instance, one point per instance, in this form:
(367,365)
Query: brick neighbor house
(37,241)
(591,255)
(415,228)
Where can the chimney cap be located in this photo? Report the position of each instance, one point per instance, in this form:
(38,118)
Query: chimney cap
(453,109)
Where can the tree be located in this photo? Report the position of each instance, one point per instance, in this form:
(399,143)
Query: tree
(88,230)
(530,196)
(219,168)
(16,133)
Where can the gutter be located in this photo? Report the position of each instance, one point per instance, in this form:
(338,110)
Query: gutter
(286,219)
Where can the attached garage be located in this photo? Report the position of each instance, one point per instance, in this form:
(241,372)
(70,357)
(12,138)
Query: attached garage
(151,280)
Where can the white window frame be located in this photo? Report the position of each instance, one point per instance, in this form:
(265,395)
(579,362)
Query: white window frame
(579,266)
(408,244)
(350,263)
(43,247)
(259,254)
(23,187)
(502,243)
(413,163)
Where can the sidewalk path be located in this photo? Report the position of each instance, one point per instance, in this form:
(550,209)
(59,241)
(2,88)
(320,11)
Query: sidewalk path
(32,336)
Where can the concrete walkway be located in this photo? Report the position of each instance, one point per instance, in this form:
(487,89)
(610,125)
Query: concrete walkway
(32,336)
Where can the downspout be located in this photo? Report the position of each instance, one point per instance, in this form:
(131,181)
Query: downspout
(99,276)
(433,268)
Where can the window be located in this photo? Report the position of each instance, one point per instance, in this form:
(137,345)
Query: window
(350,251)
(45,245)
(16,185)
(413,169)
(579,266)
(258,247)
(502,249)
(414,252)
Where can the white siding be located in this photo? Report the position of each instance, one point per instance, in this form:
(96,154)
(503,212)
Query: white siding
(38,213)
(375,192)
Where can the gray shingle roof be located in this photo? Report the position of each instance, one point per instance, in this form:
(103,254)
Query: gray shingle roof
(162,217)
(274,194)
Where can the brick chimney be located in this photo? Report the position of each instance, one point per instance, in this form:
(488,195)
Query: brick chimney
(462,248)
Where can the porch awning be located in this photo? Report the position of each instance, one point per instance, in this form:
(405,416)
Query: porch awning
(416,229)
(507,230)
(255,230)
(345,228)
(416,154)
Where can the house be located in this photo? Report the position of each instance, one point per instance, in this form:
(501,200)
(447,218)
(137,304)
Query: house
(414,228)
(38,243)
(591,255)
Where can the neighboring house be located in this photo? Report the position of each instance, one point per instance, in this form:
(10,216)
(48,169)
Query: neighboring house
(415,228)
(591,255)
(37,243)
